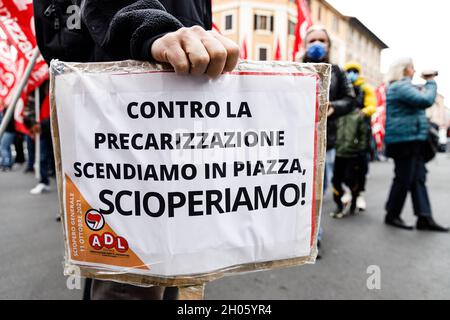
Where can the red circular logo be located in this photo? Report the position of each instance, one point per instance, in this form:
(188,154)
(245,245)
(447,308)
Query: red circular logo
(121,245)
(109,241)
(94,220)
(96,241)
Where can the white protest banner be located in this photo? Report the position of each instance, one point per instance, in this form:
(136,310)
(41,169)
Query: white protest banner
(175,176)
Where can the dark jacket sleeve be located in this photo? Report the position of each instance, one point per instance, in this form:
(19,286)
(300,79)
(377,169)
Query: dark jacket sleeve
(126,28)
(346,101)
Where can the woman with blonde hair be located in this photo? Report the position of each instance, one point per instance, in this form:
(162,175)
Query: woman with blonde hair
(406,135)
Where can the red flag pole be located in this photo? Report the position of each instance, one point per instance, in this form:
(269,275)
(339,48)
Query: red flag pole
(18,92)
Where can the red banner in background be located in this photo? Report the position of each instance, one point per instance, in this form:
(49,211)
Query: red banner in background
(278,51)
(17,43)
(379,118)
(304,21)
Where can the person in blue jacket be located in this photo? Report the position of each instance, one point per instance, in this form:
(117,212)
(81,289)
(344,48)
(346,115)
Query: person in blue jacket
(406,135)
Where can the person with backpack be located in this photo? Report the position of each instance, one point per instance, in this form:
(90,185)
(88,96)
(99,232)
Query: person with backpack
(351,151)
(366,103)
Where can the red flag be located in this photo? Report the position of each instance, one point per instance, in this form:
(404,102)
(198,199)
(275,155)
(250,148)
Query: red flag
(17,43)
(379,118)
(278,51)
(216,28)
(304,21)
(243,53)
(45,108)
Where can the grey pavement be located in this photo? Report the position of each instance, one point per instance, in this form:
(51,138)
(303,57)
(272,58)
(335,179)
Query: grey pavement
(414,265)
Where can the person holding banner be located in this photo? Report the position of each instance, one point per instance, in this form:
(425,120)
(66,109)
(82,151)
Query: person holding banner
(165,31)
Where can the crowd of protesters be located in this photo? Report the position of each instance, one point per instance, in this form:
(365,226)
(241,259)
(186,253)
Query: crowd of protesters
(350,142)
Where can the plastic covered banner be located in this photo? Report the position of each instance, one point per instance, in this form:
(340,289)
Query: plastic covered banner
(178,180)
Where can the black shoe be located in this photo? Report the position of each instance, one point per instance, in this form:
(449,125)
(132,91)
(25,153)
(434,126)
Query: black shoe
(318,251)
(428,224)
(352,210)
(397,223)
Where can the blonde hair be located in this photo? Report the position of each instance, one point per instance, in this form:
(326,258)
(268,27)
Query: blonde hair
(397,70)
(317,27)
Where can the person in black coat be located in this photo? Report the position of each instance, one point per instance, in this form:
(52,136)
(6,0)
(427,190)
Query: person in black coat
(167,31)
(170,31)
(317,46)
(342,99)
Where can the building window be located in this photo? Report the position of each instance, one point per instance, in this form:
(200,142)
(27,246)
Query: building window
(291,27)
(263,53)
(263,22)
(229,22)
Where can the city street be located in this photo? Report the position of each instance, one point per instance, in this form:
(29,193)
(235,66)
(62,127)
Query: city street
(414,265)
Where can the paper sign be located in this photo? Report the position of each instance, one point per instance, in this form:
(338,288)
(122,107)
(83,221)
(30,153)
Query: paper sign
(168,175)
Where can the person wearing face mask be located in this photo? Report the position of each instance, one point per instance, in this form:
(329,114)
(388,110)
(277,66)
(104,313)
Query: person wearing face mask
(317,45)
(352,147)
(406,135)
(366,103)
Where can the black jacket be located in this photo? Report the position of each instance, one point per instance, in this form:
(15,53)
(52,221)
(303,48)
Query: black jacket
(11,126)
(342,99)
(111,30)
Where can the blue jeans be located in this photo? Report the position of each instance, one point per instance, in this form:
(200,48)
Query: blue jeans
(328,175)
(46,159)
(329,168)
(30,151)
(5,149)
